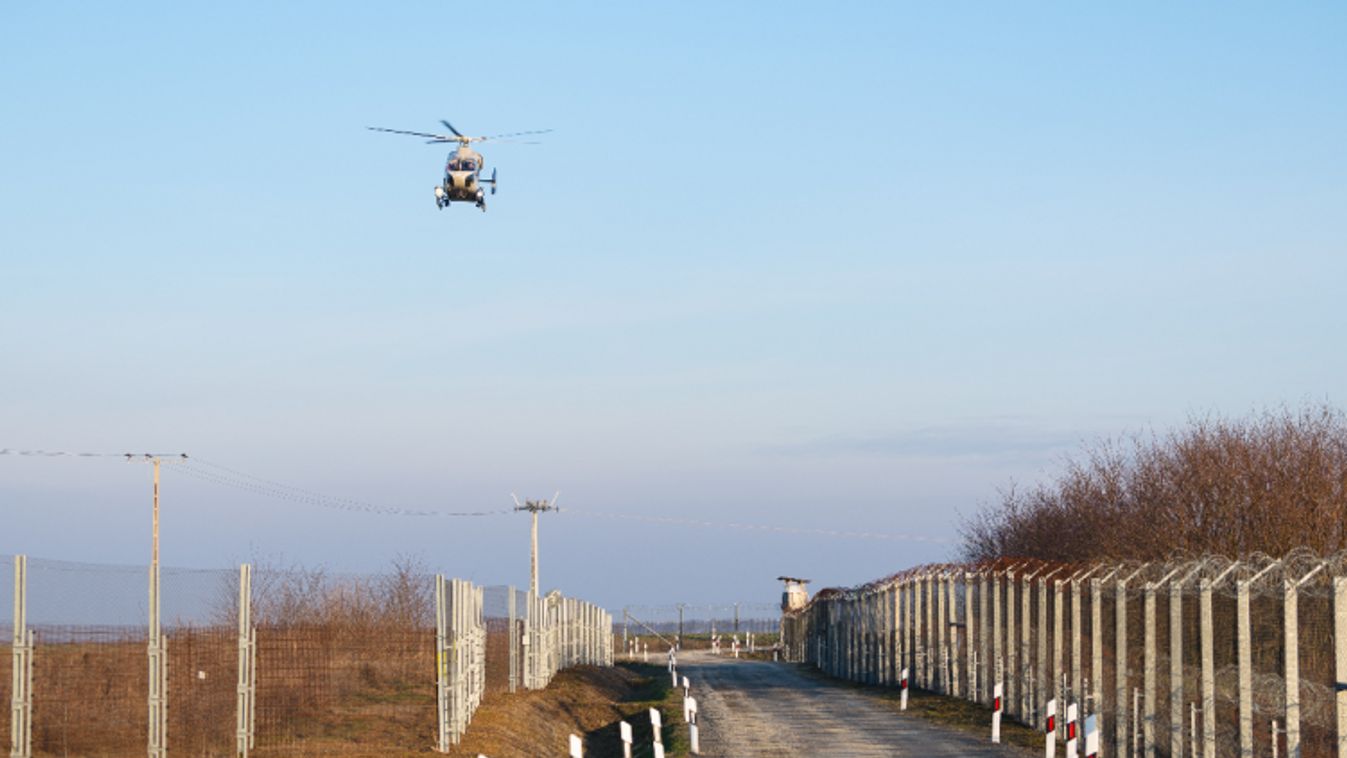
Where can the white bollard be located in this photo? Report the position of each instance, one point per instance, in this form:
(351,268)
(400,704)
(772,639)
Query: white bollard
(687,687)
(624,729)
(645,652)
(577,750)
(656,725)
(902,684)
(1050,729)
(1092,737)
(673,672)
(692,726)
(1071,731)
(996,713)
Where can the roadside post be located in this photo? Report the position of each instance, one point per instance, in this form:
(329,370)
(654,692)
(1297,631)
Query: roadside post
(1071,731)
(996,712)
(693,736)
(1050,729)
(1092,736)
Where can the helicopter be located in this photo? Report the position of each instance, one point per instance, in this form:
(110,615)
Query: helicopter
(463,180)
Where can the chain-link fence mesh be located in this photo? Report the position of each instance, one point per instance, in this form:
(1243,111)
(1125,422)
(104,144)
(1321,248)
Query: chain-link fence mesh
(321,664)
(1175,658)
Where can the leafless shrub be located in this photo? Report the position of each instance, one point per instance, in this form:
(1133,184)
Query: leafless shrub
(1271,482)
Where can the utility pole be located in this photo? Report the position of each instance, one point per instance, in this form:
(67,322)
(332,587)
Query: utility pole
(681,606)
(157,649)
(535,507)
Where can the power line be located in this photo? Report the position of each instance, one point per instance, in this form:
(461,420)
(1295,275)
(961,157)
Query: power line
(225,476)
(896,536)
(229,477)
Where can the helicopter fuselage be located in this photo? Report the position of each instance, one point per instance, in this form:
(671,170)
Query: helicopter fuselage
(462,179)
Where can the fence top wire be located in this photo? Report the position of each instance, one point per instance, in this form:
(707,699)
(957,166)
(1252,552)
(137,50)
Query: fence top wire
(1258,573)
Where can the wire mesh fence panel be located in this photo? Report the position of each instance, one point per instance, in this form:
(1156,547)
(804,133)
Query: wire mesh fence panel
(343,662)
(6,635)
(199,609)
(1318,682)
(1196,657)
(90,677)
(499,654)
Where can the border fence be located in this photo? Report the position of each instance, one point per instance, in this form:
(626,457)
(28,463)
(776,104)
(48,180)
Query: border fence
(268,662)
(1208,657)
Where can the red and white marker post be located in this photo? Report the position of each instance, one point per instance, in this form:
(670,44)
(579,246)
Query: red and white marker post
(996,713)
(1092,737)
(624,729)
(693,731)
(902,700)
(1071,731)
(656,728)
(1050,729)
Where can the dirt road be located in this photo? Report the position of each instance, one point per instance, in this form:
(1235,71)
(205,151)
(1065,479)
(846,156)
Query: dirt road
(751,708)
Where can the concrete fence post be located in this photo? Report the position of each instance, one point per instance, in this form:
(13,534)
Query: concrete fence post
(1011,674)
(918,639)
(1027,710)
(1058,632)
(1205,632)
(1042,684)
(1340,659)
(994,675)
(932,642)
(1149,669)
(1291,648)
(1244,648)
(1077,665)
(985,632)
(941,636)
(1097,650)
(1120,664)
(970,635)
(952,621)
(1176,666)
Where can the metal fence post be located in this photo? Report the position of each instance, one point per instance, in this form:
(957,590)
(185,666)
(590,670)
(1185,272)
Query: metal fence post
(21,668)
(247,683)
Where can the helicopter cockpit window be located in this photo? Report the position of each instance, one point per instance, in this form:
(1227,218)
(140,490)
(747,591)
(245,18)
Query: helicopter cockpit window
(466,164)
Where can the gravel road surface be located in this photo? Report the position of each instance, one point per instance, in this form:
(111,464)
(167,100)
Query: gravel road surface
(756,708)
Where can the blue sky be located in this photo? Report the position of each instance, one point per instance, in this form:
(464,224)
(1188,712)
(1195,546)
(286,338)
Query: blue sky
(853,267)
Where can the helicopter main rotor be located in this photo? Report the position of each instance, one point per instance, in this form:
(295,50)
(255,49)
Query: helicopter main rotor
(457,136)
